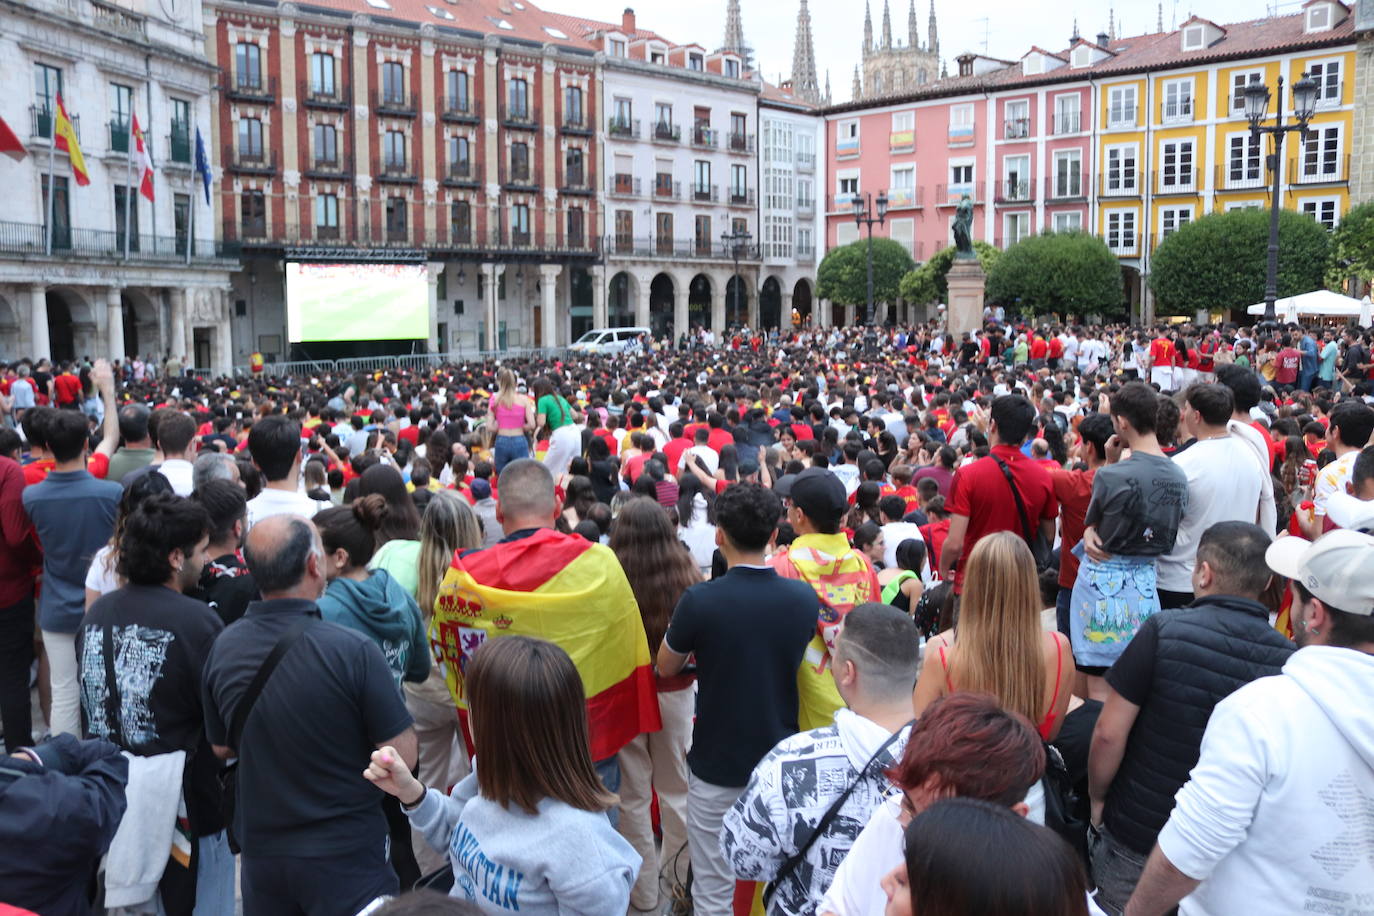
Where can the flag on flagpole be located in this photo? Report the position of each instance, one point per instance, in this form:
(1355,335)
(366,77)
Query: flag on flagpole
(142,159)
(9,143)
(64,138)
(202,164)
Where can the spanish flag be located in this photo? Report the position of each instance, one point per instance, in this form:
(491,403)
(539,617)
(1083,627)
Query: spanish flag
(64,136)
(569,591)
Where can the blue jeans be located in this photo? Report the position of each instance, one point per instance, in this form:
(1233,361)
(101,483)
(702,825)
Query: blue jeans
(609,771)
(508,449)
(214,876)
(311,886)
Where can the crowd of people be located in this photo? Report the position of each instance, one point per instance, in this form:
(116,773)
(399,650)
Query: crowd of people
(1041,619)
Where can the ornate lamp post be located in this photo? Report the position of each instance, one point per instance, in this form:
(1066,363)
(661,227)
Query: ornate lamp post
(863,218)
(1256,108)
(736,242)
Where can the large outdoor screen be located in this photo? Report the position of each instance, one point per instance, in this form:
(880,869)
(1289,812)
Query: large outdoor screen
(356,301)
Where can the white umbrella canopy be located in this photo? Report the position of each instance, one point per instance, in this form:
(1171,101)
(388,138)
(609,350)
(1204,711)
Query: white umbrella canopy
(1320,302)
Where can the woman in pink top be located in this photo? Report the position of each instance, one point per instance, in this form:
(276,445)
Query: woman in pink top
(514,416)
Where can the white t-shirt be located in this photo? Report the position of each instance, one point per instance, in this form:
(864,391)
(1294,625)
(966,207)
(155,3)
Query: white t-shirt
(280,502)
(708,456)
(893,534)
(1224,485)
(178,474)
(1332,479)
(101,577)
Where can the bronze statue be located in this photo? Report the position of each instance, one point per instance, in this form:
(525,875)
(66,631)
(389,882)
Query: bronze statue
(963,230)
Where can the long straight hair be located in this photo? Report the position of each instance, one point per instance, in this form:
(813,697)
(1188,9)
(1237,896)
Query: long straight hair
(657,565)
(505,384)
(529,723)
(447,526)
(998,640)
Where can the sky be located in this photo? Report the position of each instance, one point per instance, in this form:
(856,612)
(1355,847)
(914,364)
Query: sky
(1000,28)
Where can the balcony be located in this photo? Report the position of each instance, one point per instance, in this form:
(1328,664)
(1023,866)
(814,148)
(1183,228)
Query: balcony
(395,104)
(901,141)
(622,185)
(458,110)
(1240,177)
(678,249)
(460,174)
(1124,246)
(119,136)
(667,189)
(1122,183)
(41,119)
(741,197)
(328,168)
(179,145)
(949,195)
(741,143)
(1066,188)
(518,118)
(1016,129)
(667,133)
(396,171)
(1014,191)
(326,97)
(1318,170)
(1121,118)
(623,128)
(30,240)
(520,180)
(1068,123)
(576,124)
(806,255)
(252,162)
(327,233)
(846,147)
(807,205)
(1177,112)
(705,193)
(840,203)
(806,162)
(705,138)
(249,87)
(905,198)
(1176,182)
(575,182)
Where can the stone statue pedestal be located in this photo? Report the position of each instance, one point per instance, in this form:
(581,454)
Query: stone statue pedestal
(965,308)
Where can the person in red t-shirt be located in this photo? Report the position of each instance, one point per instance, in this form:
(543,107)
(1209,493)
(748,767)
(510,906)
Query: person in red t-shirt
(719,435)
(1054,351)
(1162,361)
(980,503)
(67,388)
(1038,349)
(675,446)
(1287,365)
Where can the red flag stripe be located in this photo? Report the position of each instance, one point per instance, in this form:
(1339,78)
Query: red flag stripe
(504,565)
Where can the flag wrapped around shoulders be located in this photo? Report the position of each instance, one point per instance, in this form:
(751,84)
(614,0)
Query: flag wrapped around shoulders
(571,592)
(64,138)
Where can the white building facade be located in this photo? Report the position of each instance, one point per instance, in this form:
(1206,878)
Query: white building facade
(790,176)
(89,288)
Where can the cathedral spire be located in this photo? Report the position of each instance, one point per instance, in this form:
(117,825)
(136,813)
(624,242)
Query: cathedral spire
(934,38)
(804,85)
(734,30)
(858,91)
(887,26)
(1159,23)
(827,86)
(868,28)
(913,35)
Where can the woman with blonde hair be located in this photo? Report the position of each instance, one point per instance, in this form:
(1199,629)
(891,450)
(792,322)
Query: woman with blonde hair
(999,646)
(514,416)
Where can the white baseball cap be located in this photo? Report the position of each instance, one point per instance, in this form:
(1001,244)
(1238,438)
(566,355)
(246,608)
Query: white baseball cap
(1350,512)
(1335,568)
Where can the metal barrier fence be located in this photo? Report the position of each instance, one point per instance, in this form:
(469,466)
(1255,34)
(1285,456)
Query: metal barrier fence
(411,362)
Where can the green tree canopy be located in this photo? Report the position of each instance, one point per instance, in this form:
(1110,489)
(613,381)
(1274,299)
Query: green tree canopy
(1067,272)
(843,274)
(1218,261)
(927,283)
(1352,248)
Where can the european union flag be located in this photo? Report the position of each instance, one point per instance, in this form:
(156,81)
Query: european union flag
(202,164)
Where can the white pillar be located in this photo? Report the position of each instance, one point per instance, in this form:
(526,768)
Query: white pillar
(680,293)
(38,321)
(718,293)
(548,285)
(751,308)
(493,273)
(177,335)
(224,338)
(114,322)
(642,306)
(785,312)
(435,344)
(598,297)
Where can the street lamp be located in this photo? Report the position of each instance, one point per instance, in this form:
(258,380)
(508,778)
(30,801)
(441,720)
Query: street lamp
(736,241)
(862,219)
(1256,108)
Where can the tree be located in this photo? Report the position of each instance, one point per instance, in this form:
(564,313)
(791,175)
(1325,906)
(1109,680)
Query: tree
(1218,262)
(843,274)
(1057,272)
(927,283)
(1352,248)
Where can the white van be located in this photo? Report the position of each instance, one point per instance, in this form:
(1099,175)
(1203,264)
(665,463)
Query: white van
(610,340)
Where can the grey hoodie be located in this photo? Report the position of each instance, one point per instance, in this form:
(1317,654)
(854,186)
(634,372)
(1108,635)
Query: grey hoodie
(380,608)
(560,862)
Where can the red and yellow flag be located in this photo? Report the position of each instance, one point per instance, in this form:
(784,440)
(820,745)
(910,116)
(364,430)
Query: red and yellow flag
(64,136)
(571,592)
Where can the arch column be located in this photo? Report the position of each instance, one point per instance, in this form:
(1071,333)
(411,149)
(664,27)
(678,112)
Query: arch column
(598,297)
(681,291)
(177,343)
(719,290)
(548,285)
(223,337)
(642,304)
(751,308)
(40,344)
(493,273)
(114,322)
(785,311)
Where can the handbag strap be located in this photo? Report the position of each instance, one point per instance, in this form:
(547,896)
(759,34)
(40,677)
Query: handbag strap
(255,687)
(795,859)
(1020,506)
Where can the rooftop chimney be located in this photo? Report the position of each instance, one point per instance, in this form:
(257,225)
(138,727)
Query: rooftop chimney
(627,21)
(1103,39)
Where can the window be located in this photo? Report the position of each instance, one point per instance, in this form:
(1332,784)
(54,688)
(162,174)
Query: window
(663,114)
(806,193)
(656,57)
(1121,231)
(624,230)
(393,82)
(459,157)
(326,144)
(846,232)
(1121,170)
(459,98)
(961,174)
(1171,219)
(181,131)
(250,138)
(1071,221)
(460,222)
(739,183)
(739,127)
(181,220)
(663,233)
(572,106)
(806,246)
(1321,154)
(1327,75)
(1194,38)
(1238,83)
(248,65)
(1016,172)
(520,162)
(1176,165)
(1017,125)
(1015,227)
(327,213)
(1318,17)
(696,62)
(61,214)
(121,105)
(848,187)
(323,70)
(903,179)
(1068,173)
(395,219)
(903,120)
(1121,106)
(253,213)
(624,112)
(1067,118)
(47,86)
(574,175)
(617,47)
(961,116)
(518,99)
(122,199)
(701,177)
(732,68)
(1178,101)
(577,234)
(394,151)
(1244,165)
(703,234)
(1323,210)
(520,223)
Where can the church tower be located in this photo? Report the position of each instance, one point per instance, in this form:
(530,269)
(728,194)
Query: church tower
(933,43)
(913,36)
(868,28)
(734,34)
(887,27)
(804,83)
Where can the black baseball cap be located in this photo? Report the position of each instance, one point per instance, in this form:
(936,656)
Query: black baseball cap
(819,495)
